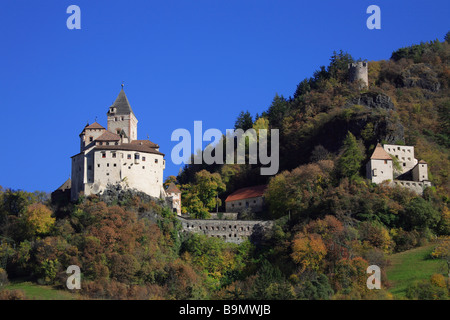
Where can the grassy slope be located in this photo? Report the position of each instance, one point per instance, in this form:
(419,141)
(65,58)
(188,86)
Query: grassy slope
(37,292)
(409,266)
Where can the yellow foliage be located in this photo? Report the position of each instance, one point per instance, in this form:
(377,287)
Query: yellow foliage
(308,250)
(39,218)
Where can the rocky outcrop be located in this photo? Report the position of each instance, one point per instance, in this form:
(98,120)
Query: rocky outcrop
(373,100)
(420,75)
(116,194)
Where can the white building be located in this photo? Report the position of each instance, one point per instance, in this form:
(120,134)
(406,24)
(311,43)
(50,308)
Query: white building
(114,155)
(173,192)
(412,174)
(251,198)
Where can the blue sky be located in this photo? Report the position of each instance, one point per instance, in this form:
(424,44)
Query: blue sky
(181,61)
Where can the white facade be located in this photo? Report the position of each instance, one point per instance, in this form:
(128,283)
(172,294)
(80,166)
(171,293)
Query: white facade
(255,204)
(404,154)
(109,157)
(413,173)
(379,170)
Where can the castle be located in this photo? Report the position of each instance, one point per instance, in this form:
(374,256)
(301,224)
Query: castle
(410,173)
(358,72)
(114,155)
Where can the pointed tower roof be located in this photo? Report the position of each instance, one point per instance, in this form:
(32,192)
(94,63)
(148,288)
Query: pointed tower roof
(380,154)
(122,104)
(173,188)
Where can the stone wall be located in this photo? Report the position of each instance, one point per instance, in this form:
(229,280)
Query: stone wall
(416,186)
(235,231)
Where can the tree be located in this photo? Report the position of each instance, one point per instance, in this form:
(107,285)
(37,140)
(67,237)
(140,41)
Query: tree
(349,164)
(308,250)
(420,214)
(38,219)
(244,121)
(209,186)
(169,180)
(338,68)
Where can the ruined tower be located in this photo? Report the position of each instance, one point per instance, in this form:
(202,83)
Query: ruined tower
(359,72)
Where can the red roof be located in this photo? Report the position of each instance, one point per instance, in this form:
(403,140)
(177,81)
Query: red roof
(95,125)
(380,154)
(247,193)
(108,136)
(173,188)
(145,142)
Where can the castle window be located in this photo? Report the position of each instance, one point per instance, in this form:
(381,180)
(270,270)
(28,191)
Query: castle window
(118,131)
(129,156)
(113,154)
(156,160)
(115,165)
(404,164)
(385,161)
(143,167)
(115,119)
(98,165)
(398,148)
(107,164)
(143,158)
(107,143)
(136,156)
(374,173)
(107,174)
(91,139)
(121,118)
(103,155)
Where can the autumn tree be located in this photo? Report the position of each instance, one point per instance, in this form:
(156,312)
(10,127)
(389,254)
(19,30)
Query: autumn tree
(38,219)
(308,251)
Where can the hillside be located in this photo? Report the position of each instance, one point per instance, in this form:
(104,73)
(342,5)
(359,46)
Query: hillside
(407,103)
(411,266)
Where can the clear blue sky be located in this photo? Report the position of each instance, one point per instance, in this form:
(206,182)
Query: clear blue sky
(181,60)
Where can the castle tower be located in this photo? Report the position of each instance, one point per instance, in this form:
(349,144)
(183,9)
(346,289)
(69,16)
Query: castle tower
(380,167)
(359,72)
(175,193)
(121,117)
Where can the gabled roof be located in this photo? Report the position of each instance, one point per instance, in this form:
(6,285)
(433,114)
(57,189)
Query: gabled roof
(380,154)
(173,188)
(108,136)
(423,161)
(121,104)
(246,193)
(95,125)
(129,147)
(145,142)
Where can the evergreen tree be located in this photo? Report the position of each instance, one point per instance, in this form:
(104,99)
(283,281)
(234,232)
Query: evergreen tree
(244,121)
(350,161)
